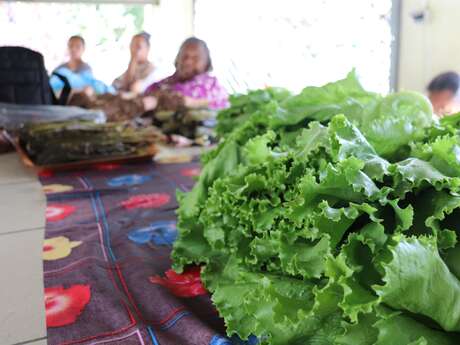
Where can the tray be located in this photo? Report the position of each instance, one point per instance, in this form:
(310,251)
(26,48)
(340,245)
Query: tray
(145,155)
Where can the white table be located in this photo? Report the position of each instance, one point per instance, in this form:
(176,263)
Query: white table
(22,221)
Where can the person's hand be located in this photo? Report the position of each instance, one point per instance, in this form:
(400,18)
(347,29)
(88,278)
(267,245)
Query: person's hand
(89,91)
(135,56)
(136,87)
(132,62)
(149,102)
(194,103)
(189,102)
(133,51)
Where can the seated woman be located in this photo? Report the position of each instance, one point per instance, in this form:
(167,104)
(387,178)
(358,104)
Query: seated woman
(191,86)
(140,73)
(191,81)
(76,48)
(442,91)
(78,73)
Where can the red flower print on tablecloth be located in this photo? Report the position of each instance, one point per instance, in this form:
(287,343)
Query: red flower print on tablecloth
(187,284)
(106,166)
(46,173)
(55,212)
(153,200)
(63,306)
(190,172)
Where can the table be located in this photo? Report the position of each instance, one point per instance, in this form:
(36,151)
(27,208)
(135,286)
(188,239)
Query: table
(22,221)
(22,321)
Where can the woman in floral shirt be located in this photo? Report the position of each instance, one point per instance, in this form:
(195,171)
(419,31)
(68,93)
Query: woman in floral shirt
(191,84)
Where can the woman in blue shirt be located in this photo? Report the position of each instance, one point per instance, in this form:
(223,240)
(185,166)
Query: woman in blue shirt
(78,73)
(76,47)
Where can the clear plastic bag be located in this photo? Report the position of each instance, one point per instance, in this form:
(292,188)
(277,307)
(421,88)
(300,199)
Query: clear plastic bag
(14,116)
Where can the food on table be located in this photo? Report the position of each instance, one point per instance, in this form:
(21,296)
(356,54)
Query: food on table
(185,122)
(173,117)
(331,217)
(62,142)
(244,106)
(115,107)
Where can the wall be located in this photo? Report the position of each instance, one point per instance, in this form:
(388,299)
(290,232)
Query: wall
(430,47)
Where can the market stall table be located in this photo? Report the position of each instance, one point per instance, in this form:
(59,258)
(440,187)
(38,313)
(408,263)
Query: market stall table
(107,274)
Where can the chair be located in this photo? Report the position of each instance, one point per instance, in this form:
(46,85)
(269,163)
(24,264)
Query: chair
(24,80)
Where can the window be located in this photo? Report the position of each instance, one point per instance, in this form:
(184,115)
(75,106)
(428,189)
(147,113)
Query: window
(107,29)
(296,43)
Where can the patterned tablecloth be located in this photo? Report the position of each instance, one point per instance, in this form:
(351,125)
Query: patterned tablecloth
(106,259)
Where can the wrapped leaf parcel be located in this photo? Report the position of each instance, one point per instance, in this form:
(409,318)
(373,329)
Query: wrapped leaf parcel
(62,142)
(331,217)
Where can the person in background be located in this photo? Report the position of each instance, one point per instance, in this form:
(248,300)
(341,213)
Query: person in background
(191,85)
(442,91)
(76,48)
(77,72)
(140,73)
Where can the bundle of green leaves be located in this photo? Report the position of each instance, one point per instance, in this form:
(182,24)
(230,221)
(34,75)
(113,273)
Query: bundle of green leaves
(245,105)
(318,228)
(73,141)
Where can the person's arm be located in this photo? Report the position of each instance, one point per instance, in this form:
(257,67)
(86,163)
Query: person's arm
(217,96)
(129,76)
(123,82)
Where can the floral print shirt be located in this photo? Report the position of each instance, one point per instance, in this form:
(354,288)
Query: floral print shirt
(202,86)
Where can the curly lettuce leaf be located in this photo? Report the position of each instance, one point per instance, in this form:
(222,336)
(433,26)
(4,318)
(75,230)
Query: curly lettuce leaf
(395,122)
(276,309)
(399,329)
(417,280)
(345,96)
(244,106)
(321,229)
